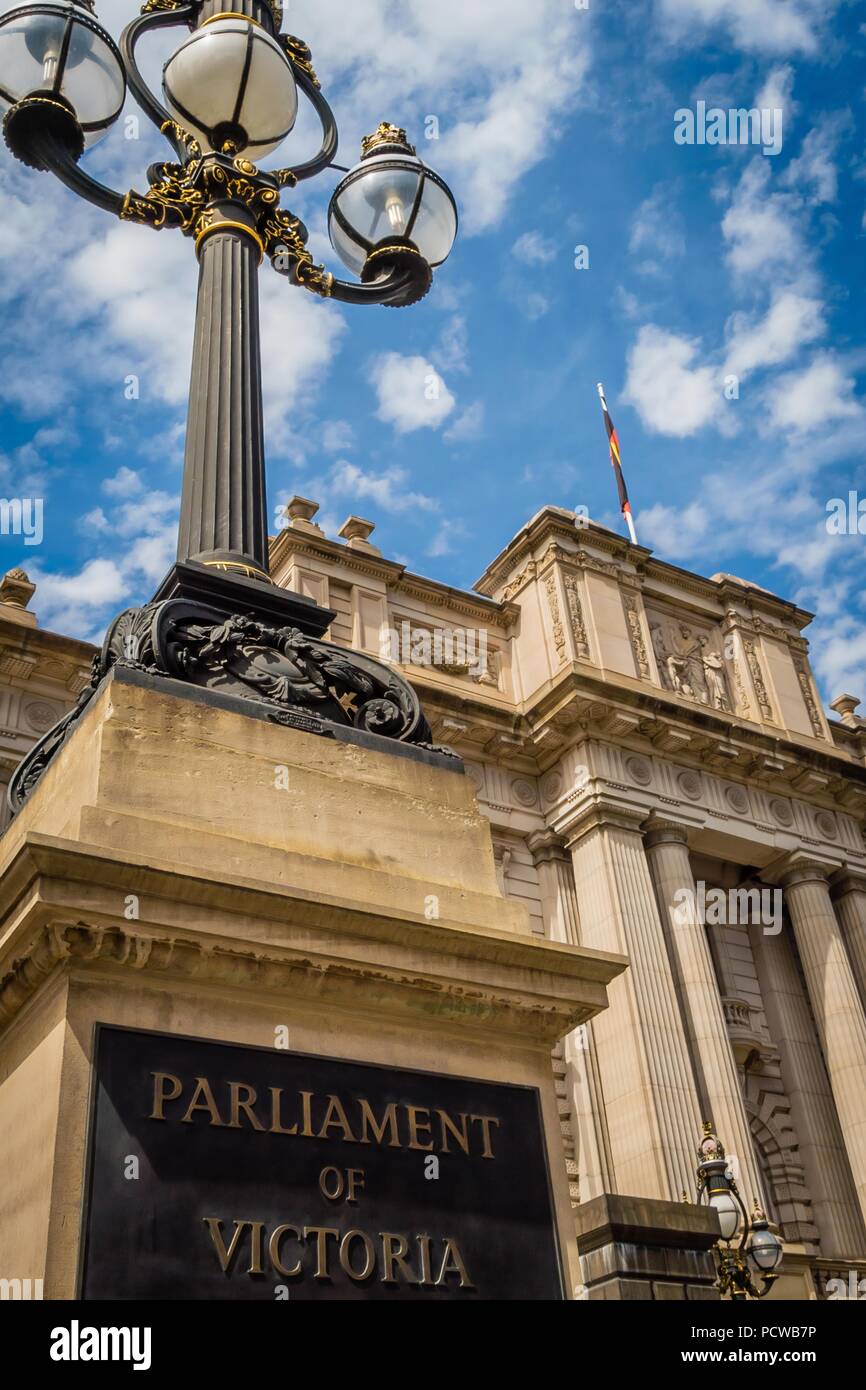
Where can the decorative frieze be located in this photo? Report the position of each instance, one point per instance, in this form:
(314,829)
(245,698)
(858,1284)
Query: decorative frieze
(635,630)
(750,647)
(555,617)
(575,613)
(803,676)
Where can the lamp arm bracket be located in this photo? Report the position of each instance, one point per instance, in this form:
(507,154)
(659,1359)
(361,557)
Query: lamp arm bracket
(53,155)
(156,14)
(309,84)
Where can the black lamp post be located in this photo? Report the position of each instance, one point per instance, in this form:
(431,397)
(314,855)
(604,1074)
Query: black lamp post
(231,97)
(757,1242)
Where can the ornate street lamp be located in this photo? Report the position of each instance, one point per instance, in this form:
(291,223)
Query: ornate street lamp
(757,1242)
(231,97)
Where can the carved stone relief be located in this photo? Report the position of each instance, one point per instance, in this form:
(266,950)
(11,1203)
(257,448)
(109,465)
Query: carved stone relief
(555,616)
(691,662)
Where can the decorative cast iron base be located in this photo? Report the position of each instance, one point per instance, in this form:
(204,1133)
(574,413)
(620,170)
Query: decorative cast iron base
(303,683)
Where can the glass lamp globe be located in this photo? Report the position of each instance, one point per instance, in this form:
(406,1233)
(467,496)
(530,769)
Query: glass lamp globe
(232,86)
(59,53)
(391,195)
(727,1211)
(764,1247)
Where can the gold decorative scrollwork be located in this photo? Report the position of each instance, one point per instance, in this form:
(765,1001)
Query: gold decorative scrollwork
(183,137)
(171,200)
(288,252)
(151,5)
(299,54)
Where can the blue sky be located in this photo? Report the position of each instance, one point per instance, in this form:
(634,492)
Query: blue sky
(707,263)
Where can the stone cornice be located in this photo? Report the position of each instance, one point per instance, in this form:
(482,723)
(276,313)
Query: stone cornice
(398,579)
(635,564)
(190,929)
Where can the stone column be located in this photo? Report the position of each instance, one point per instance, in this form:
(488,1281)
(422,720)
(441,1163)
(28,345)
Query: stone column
(849,898)
(562,923)
(718,1080)
(836,1006)
(223,516)
(820,1146)
(650,1097)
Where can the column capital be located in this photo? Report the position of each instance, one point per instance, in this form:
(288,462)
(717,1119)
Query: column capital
(846,881)
(602,814)
(547,847)
(658,831)
(799,869)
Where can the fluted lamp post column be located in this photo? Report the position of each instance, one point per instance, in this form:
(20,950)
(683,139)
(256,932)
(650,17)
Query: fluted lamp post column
(230,94)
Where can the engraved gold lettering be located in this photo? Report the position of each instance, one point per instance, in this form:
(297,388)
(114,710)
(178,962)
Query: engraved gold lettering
(392,1256)
(426,1276)
(225,1256)
(346,1256)
(335,1108)
(207,1103)
(485,1122)
(256,1229)
(321,1233)
(159,1094)
(452,1263)
(461,1135)
(276,1102)
(235,1089)
(368,1120)
(306,1098)
(274,1251)
(415,1123)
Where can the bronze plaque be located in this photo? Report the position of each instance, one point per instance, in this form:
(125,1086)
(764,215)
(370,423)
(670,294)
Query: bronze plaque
(219,1171)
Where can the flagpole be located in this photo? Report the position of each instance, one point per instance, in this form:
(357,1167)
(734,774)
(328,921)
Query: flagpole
(613,442)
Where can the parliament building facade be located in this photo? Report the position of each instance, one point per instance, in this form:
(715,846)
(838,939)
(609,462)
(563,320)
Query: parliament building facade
(661,783)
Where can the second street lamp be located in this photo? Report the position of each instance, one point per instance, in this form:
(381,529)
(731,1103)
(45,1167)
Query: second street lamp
(231,89)
(758,1243)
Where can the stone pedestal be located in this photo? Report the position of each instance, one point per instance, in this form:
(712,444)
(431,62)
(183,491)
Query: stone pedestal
(189,868)
(638,1248)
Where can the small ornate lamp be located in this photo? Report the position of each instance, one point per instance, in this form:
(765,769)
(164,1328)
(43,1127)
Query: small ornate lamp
(391,209)
(232,86)
(58,67)
(716,1184)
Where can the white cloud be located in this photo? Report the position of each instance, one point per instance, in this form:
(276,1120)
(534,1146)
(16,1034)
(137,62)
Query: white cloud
(678,532)
(411,393)
(407,59)
(777,94)
(468,425)
(672,395)
(791,321)
(657,236)
(817,396)
(814,171)
(534,248)
(386,489)
(757,26)
(763,230)
(337,436)
(125,483)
